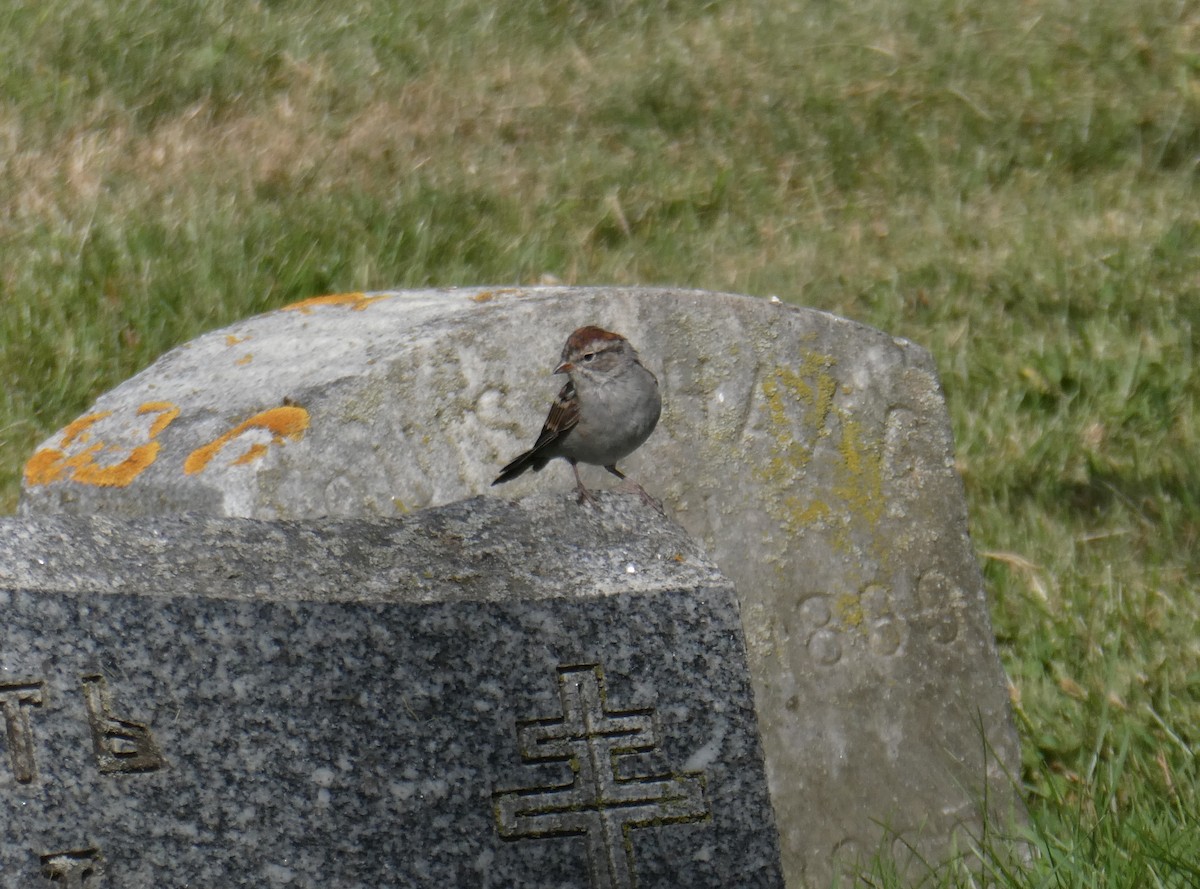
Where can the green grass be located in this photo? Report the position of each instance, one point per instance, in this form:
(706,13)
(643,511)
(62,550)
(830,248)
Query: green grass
(1015,186)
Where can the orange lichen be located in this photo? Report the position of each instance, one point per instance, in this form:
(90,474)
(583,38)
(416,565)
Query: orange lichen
(356,301)
(78,429)
(88,472)
(167,413)
(245,359)
(44,467)
(54,464)
(488,295)
(256,451)
(288,422)
(231,340)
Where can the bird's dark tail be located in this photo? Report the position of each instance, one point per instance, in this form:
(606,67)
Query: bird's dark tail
(513,469)
(535,459)
(516,467)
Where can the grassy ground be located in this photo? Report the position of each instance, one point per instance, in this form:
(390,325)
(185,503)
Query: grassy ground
(1014,185)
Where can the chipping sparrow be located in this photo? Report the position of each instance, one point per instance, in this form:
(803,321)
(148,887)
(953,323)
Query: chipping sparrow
(605,411)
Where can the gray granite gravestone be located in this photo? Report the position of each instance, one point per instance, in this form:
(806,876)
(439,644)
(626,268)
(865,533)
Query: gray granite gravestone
(811,455)
(484,694)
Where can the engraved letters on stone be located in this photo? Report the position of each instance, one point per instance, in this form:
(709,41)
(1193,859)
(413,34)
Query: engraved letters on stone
(75,869)
(121,745)
(596,803)
(15,700)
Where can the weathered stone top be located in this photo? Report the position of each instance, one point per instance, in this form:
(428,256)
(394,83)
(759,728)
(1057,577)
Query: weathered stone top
(381,403)
(482,549)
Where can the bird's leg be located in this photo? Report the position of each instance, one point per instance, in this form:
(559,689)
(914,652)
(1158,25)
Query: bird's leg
(585,496)
(657,504)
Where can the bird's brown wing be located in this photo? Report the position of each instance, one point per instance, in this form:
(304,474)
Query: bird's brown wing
(563,417)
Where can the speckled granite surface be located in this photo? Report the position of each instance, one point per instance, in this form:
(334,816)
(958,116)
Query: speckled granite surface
(378,719)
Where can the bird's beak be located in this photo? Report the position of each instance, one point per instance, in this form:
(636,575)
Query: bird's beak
(565,368)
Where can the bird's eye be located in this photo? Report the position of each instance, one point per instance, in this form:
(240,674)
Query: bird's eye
(588,356)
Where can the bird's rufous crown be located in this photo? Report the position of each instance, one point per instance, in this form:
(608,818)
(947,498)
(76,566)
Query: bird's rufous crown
(585,336)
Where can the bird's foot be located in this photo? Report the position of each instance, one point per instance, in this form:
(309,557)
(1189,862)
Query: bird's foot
(646,498)
(586,496)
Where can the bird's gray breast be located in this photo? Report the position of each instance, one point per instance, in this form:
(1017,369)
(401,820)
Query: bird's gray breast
(617,414)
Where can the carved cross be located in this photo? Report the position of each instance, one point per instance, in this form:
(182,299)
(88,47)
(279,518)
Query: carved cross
(595,804)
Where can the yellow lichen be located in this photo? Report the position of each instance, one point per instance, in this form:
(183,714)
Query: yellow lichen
(245,359)
(861,473)
(803,515)
(848,609)
(287,422)
(812,387)
(801,411)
